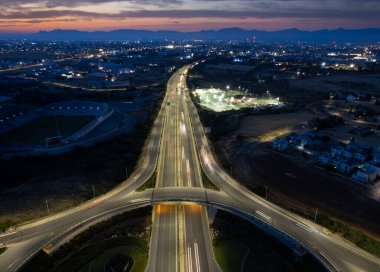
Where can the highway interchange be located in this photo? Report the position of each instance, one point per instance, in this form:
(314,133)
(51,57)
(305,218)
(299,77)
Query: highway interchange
(177,148)
(180,242)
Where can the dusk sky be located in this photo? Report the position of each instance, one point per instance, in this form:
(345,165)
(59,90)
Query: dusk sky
(186,15)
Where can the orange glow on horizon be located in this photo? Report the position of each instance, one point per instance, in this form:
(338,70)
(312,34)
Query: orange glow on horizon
(187,24)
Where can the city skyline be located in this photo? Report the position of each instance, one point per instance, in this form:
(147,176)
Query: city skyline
(186,15)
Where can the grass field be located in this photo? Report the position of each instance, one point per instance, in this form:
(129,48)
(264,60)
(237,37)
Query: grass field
(138,256)
(230,255)
(36,131)
(6,225)
(150,183)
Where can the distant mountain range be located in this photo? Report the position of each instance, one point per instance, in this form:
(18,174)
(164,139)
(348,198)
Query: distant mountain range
(369,35)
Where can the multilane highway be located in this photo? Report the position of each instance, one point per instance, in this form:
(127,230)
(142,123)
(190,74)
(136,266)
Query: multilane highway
(180,238)
(178,147)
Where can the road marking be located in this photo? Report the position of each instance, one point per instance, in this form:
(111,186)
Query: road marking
(13,263)
(176,234)
(329,260)
(263,215)
(302,226)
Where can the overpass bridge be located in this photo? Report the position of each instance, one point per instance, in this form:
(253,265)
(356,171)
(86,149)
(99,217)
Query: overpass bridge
(178,150)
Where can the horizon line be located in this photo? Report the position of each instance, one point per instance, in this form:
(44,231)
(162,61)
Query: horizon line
(192,31)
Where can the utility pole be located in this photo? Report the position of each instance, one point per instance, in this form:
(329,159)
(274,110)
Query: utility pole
(266,192)
(315,216)
(57,126)
(47,207)
(93,190)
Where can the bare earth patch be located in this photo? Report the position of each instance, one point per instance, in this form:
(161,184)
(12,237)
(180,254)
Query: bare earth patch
(267,127)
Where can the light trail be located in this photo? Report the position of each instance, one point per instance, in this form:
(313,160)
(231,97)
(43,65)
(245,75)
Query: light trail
(197,257)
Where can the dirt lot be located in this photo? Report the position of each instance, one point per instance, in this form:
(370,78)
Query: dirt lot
(267,127)
(342,134)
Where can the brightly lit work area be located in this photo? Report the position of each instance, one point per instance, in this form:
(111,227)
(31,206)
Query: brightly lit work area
(224,100)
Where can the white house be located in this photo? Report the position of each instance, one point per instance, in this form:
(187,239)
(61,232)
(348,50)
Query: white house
(280,144)
(360,157)
(344,167)
(296,139)
(365,175)
(325,158)
(373,165)
(337,151)
(347,154)
(336,161)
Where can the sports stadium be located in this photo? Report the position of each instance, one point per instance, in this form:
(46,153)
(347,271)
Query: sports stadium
(58,127)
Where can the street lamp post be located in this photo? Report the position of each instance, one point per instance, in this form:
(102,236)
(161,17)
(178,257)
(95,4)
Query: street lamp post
(57,126)
(315,216)
(47,207)
(93,190)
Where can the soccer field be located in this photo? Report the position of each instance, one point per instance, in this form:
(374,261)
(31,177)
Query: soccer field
(36,131)
(218,100)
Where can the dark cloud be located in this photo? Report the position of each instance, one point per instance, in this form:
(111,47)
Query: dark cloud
(178,13)
(349,10)
(77,3)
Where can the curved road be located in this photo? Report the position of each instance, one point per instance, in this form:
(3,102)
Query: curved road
(25,240)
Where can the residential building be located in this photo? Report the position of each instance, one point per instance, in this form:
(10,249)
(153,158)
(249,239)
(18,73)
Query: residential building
(365,175)
(360,156)
(347,154)
(337,151)
(280,144)
(325,158)
(345,167)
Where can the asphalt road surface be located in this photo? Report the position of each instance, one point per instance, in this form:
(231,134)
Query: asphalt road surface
(180,238)
(178,186)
